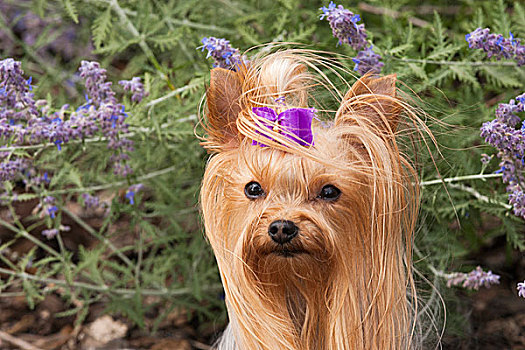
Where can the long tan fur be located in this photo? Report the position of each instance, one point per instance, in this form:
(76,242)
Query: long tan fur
(347,287)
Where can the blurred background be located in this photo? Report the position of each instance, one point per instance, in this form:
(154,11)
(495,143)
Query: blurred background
(101,243)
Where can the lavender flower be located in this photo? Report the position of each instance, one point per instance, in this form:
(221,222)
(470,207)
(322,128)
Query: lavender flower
(24,121)
(495,45)
(48,206)
(344,25)
(521,289)
(104,114)
(503,134)
(222,52)
(473,280)
(345,28)
(9,169)
(50,233)
(90,202)
(506,113)
(132,190)
(485,159)
(367,61)
(135,87)
(517,200)
(97,88)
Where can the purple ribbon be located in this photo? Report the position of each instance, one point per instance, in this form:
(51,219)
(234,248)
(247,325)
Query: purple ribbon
(295,124)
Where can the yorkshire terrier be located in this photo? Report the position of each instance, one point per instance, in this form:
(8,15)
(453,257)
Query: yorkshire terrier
(311,222)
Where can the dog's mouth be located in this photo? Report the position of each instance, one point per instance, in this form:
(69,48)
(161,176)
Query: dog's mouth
(288,252)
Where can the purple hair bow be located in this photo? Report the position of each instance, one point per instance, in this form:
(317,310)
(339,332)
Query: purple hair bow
(295,124)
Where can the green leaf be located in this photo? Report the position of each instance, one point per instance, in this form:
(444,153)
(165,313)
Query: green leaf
(23,197)
(75,177)
(166,41)
(418,71)
(289,4)
(464,74)
(39,7)
(71,10)
(514,238)
(116,46)
(31,293)
(500,77)
(501,19)
(519,21)
(58,177)
(400,49)
(101,27)
(439,77)
(441,52)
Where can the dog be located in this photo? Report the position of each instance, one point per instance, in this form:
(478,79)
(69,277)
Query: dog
(311,222)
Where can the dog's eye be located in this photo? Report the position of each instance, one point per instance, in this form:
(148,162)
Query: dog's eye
(253,190)
(329,193)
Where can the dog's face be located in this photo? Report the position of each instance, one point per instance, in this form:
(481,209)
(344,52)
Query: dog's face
(287,215)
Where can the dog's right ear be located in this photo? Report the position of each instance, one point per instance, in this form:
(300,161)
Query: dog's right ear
(223,97)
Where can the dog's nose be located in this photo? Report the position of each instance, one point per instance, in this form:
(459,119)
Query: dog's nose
(282,231)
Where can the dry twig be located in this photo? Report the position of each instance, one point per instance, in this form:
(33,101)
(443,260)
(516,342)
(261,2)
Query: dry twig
(18,342)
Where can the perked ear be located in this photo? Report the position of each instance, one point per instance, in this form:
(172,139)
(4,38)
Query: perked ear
(372,98)
(223,107)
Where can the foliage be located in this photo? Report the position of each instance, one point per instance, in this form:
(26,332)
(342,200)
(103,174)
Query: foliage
(151,254)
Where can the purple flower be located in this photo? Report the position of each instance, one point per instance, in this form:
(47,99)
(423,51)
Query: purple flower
(495,45)
(106,115)
(135,87)
(97,88)
(521,289)
(517,200)
(24,121)
(506,113)
(473,280)
(367,61)
(90,202)
(485,159)
(132,190)
(50,233)
(503,134)
(9,169)
(48,207)
(223,53)
(344,25)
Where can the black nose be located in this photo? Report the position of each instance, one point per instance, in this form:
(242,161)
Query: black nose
(282,231)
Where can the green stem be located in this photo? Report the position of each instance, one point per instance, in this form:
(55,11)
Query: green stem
(454,63)
(478,195)
(458,178)
(171,94)
(22,232)
(104,186)
(142,42)
(97,235)
(107,289)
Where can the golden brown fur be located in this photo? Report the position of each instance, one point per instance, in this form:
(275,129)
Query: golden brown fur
(346,287)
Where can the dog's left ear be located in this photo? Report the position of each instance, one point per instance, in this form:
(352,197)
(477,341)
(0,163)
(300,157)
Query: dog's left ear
(223,107)
(373,98)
